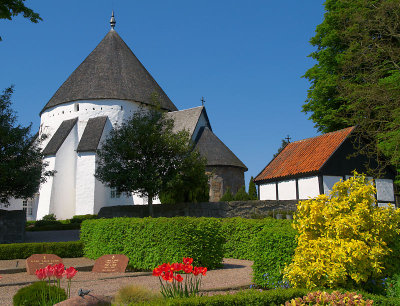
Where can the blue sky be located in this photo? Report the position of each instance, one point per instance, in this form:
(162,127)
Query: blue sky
(245,57)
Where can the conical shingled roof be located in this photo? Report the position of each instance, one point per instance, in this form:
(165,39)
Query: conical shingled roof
(111,71)
(215,151)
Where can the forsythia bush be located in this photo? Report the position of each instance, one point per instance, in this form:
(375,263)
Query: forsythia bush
(344,238)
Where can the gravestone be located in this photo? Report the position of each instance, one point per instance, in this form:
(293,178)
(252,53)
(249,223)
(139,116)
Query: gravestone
(110,263)
(38,261)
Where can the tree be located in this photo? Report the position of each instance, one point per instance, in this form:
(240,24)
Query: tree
(190,185)
(252,190)
(21,166)
(356,80)
(227,196)
(284,143)
(241,195)
(144,156)
(344,239)
(12,8)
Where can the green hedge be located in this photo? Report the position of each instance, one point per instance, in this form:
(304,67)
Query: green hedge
(149,242)
(241,235)
(69,249)
(246,297)
(274,248)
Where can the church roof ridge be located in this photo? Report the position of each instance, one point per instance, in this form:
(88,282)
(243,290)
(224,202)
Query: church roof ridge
(110,71)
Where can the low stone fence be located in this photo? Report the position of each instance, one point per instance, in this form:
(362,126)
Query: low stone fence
(12,226)
(245,209)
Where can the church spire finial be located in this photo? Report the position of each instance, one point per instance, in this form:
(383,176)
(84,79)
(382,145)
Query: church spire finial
(112,21)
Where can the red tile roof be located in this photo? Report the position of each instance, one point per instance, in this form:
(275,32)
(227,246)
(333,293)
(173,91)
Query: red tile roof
(304,156)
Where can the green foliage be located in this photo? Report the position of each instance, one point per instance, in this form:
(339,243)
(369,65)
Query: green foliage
(145,156)
(135,294)
(21,165)
(150,242)
(70,249)
(12,8)
(81,218)
(241,235)
(356,78)
(284,143)
(228,196)
(241,195)
(35,293)
(244,298)
(274,249)
(326,299)
(190,185)
(393,286)
(50,217)
(344,238)
(252,190)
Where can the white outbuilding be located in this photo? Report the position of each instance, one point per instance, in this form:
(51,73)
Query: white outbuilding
(310,167)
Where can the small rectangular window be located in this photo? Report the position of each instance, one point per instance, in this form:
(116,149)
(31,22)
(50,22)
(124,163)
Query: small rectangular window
(76,106)
(115,194)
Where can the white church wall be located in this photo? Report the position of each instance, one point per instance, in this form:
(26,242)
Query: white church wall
(308,187)
(63,192)
(115,110)
(287,190)
(268,191)
(329,181)
(85,183)
(43,206)
(385,190)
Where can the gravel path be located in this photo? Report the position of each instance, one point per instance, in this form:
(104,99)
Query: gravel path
(235,274)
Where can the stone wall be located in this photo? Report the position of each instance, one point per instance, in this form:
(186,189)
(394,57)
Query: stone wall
(12,226)
(245,209)
(222,178)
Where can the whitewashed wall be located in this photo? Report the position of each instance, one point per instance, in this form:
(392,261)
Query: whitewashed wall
(329,181)
(385,190)
(45,190)
(287,190)
(268,191)
(63,190)
(308,187)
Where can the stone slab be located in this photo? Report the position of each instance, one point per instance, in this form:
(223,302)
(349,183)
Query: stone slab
(39,261)
(111,263)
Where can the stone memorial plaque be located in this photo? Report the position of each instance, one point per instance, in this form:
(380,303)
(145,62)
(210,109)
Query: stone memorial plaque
(38,261)
(110,263)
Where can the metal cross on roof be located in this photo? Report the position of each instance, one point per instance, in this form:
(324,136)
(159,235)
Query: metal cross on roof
(288,138)
(202,101)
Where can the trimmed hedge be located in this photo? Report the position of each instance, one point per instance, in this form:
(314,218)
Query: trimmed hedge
(149,242)
(70,249)
(241,235)
(246,297)
(274,248)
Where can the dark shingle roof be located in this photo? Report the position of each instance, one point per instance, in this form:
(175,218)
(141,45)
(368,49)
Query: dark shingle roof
(59,136)
(111,71)
(215,151)
(304,156)
(187,119)
(92,134)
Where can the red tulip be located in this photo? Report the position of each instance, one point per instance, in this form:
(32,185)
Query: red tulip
(196,271)
(187,261)
(179,278)
(49,271)
(168,276)
(40,274)
(165,267)
(188,269)
(176,267)
(204,271)
(70,272)
(59,270)
(157,272)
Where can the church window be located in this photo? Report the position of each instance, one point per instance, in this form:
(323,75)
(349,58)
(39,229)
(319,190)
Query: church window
(115,194)
(24,205)
(121,107)
(76,107)
(93,108)
(63,112)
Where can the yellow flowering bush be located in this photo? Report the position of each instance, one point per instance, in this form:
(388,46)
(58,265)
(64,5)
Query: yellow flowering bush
(344,238)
